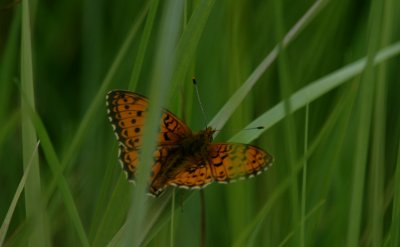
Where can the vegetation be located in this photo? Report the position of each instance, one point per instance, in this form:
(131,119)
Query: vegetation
(320,76)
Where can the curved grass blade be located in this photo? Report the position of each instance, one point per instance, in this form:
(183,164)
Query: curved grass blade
(313,91)
(226,111)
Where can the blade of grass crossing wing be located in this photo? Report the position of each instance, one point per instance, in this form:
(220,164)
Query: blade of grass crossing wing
(164,65)
(186,46)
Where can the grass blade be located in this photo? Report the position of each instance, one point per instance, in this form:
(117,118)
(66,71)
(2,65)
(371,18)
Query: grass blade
(21,185)
(33,192)
(98,101)
(226,111)
(313,91)
(165,62)
(395,225)
(144,42)
(364,118)
(55,166)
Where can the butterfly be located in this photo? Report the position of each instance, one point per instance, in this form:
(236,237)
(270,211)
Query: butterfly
(182,158)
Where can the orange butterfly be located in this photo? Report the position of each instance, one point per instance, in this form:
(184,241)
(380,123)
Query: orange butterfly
(182,159)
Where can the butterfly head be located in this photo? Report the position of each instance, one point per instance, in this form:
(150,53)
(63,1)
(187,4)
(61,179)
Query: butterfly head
(200,140)
(208,134)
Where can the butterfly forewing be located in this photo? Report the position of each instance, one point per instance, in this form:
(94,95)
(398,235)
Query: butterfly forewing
(172,129)
(127,112)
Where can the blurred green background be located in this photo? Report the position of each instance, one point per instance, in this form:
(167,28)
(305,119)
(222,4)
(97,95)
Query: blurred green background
(336,176)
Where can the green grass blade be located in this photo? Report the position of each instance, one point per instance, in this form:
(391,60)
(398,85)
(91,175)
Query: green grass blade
(160,87)
(189,40)
(55,166)
(33,193)
(21,185)
(226,111)
(328,128)
(114,214)
(290,133)
(248,230)
(98,102)
(364,124)
(93,109)
(395,224)
(172,225)
(8,126)
(313,91)
(321,48)
(312,211)
(186,46)
(8,64)
(379,148)
(304,182)
(377,159)
(144,42)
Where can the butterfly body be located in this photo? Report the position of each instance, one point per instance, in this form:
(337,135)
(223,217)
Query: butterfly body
(182,158)
(189,154)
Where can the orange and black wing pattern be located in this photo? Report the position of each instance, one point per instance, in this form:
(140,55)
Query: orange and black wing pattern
(226,162)
(127,113)
(232,161)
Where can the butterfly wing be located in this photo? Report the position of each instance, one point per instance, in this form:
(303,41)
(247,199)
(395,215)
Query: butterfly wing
(129,161)
(127,114)
(231,161)
(193,175)
(226,162)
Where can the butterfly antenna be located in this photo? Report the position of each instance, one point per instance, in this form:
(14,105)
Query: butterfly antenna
(198,98)
(251,128)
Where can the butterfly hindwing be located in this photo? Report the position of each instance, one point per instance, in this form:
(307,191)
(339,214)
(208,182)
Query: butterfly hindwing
(226,162)
(195,175)
(231,161)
